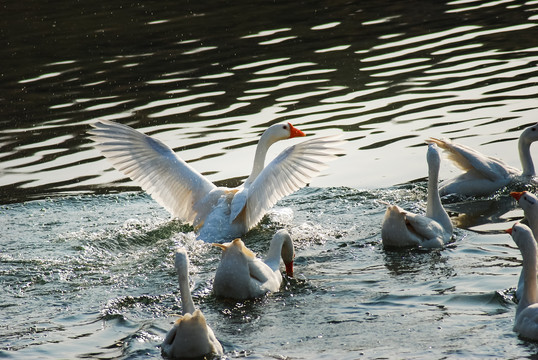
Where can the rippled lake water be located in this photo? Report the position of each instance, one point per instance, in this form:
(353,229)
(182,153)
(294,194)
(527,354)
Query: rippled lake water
(86,261)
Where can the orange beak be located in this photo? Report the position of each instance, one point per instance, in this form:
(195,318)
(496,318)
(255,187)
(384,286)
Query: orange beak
(509,231)
(516,195)
(294,132)
(289,269)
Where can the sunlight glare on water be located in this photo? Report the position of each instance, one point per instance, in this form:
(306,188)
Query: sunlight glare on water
(86,262)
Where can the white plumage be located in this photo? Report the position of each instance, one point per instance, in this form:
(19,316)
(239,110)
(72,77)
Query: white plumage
(526,322)
(218,213)
(190,337)
(402,228)
(241,275)
(483,175)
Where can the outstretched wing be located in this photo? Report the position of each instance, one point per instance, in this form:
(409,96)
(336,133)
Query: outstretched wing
(292,169)
(153,165)
(469,159)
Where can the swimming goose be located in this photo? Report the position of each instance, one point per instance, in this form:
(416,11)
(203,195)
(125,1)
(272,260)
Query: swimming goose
(529,204)
(526,322)
(484,175)
(241,275)
(402,228)
(217,213)
(190,336)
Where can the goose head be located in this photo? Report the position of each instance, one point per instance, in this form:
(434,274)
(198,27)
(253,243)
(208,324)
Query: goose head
(525,199)
(529,135)
(283,131)
(522,236)
(283,239)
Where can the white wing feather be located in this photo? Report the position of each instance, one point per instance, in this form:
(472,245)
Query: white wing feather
(173,183)
(469,159)
(291,170)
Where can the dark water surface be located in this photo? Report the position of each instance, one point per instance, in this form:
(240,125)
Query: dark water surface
(86,261)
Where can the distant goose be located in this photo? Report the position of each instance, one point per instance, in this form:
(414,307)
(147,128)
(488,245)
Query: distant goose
(218,213)
(484,175)
(529,204)
(404,229)
(190,336)
(526,322)
(241,275)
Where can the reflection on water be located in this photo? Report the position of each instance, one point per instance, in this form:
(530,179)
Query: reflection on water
(207,78)
(207,85)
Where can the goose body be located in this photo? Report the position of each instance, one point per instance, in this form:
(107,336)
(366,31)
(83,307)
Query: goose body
(484,175)
(526,321)
(190,337)
(241,275)
(529,204)
(217,213)
(402,228)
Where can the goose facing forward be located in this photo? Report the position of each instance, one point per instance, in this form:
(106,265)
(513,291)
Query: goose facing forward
(190,337)
(217,213)
(402,228)
(241,275)
(526,321)
(484,175)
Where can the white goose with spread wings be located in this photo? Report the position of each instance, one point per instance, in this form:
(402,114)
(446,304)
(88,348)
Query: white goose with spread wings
(217,213)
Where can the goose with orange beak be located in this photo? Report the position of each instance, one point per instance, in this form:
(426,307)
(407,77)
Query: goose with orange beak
(241,275)
(529,204)
(526,321)
(217,213)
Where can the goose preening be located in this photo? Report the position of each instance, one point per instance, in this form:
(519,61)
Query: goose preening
(529,204)
(217,213)
(241,275)
(404,229)
(190,336)
(484,175)
(526,322)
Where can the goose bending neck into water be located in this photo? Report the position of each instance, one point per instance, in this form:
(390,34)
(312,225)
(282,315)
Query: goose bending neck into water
(241,275)
(401,228)
(190,336)
(526,322)
(217,213)
(484,175)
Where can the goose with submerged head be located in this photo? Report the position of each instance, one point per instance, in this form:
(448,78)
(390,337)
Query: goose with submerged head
(402,228)
(190,337)
(217,213)
(241,275)
(526,322)
(529,204)
(484,175)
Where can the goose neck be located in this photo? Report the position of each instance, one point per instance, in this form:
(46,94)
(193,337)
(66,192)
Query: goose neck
(524,146)
(529,270)
(266,140)
(434,206)
(281,247)
(186,298)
